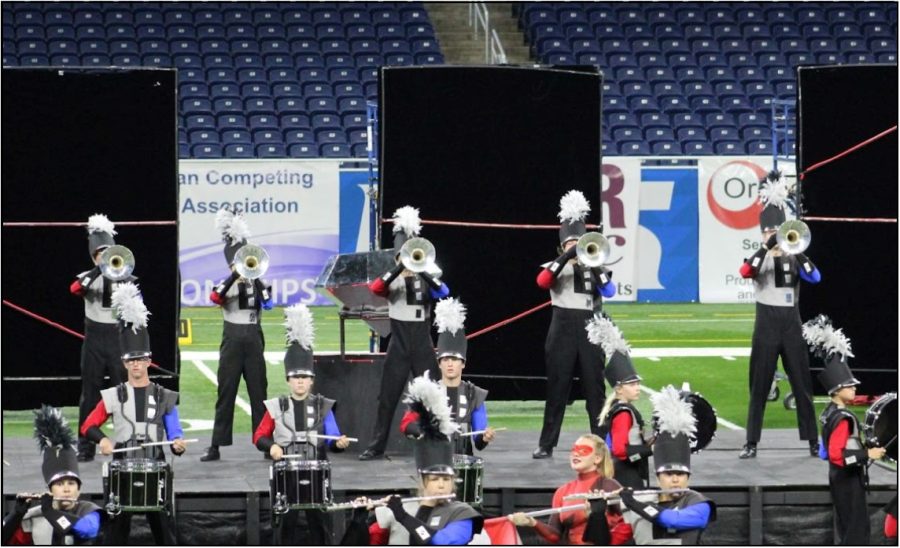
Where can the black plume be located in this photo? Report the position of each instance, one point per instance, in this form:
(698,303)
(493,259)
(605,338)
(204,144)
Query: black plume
(51,430)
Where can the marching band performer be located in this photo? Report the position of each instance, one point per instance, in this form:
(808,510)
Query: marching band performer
(243,343)
(575,292)
(60,518)
(619,420)
(467,407)
(99,355)
(676,516)
(288,422)
(410,296)
(847,457)
(776,331)
(142,411)
(604,524)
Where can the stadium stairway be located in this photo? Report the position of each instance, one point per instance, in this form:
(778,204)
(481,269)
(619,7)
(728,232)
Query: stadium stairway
(450,22)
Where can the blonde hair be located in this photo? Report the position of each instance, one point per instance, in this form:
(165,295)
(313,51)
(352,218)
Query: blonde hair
(604,412)
(605,468)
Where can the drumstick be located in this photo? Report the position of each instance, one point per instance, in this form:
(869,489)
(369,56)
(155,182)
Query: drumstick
(153,443)
(125,449)
(476,432)
(327,437)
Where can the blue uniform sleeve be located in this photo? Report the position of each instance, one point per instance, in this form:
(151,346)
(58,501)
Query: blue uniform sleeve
(87,527)
(813,277)
(456,533)
(331,427)
(441,292)
(479,420)
(695,516)
(172,425)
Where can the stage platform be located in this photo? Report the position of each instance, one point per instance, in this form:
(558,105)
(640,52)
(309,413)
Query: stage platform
(760,500)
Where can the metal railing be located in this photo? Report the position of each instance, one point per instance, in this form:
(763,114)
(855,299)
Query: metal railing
(480,21)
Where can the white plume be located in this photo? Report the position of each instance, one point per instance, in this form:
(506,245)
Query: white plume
(573,206)
(449,315)
(99,223)
(232,227)
(604,333)
(672,412)
(824,339)
(299,323)
(774,193)
(129,305)
(429,393)
(407,219)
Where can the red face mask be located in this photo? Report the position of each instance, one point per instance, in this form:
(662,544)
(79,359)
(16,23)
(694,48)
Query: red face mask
(582,450)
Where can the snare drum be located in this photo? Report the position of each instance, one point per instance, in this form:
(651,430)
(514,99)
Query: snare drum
(881,425)
(469,479)
(299,484)
(137,485)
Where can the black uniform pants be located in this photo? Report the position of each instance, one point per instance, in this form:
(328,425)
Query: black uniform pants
(100,356)
(567,346)
(240,354)
(777,332)
(409,349)
(848,493)
(162,526)
(304,528)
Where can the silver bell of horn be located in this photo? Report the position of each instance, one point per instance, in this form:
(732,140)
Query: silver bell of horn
(116,263)
(251,261)
(592,249)
(418,255)
(793,237)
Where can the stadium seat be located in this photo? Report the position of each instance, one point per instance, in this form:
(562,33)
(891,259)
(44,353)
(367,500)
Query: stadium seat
(206,151)
(728,148)
(271,151)
(697,148)
(634,148)
(335,151)
(665,148)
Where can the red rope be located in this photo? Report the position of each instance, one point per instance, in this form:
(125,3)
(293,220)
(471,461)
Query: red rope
(118,223)
(851,219)
(508,320)
(848,151)
(489,225)
(64,328)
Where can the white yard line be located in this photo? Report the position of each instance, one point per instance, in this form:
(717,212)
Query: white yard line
(727,424)
(276,358)
(208,373)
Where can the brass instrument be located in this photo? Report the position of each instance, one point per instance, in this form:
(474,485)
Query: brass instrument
(116,263)
(251,261)
(793,237)
(353,504)
(418,255)
(592,249)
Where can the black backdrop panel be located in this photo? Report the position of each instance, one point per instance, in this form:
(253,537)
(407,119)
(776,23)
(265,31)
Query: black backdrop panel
(77,143)
(840,107)
(491,144)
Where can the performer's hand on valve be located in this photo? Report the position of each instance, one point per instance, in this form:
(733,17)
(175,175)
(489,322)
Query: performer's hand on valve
(106,446)
(342,443)
(519,518)
(488,435)
(178,446)
(876,453)
(276,452)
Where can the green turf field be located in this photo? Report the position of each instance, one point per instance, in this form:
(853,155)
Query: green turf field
(721,380)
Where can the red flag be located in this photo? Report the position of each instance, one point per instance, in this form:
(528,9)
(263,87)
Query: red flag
(502,531)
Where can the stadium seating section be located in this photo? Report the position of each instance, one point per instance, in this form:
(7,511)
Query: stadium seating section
(292,79)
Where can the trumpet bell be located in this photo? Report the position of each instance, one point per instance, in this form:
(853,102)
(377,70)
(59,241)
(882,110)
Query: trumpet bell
(592,249)
(116,263)
(251,261)
(793,237)
(418,255)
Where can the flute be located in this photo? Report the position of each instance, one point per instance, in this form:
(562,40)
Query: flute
(560,510)
(32,496)
(353,504)
(614,495)
(477,432)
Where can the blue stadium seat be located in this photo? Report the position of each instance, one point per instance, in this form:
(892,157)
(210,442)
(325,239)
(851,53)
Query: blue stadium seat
(737,60)
(365,31)
(665,148)
(728,148)
(231,121)
(718,119)
(335,150)
(203,136)
(883,45)
(34,60)
(615,103)
(699,148)
(269,136)
(358,150)
(810,15)
(101,60)
(703,104)
(57,60)
(299,136)
(286,90)
(184,150)
(691,133)
(657,134)
(239,150)
(294,121)
(688,119)
(275,150)
(784,31)
(674,105)
(263,121)
(708,60)
(364,46)
(206,151)
(666,88)
(633,89)
(303,150)
(626,133)
(634,148)
(725,31)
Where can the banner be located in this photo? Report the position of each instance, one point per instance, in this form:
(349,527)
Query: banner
(292,209)
(619,194)
(729,224)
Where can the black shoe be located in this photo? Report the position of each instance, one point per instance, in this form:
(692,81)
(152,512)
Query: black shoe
(813,449)
(371,454)
(748,451)
(541,453)
(212,453)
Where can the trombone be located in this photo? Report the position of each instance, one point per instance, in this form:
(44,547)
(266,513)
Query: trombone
(116,263)
(793,237)
(338,507)
(251,261)
(592,249)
